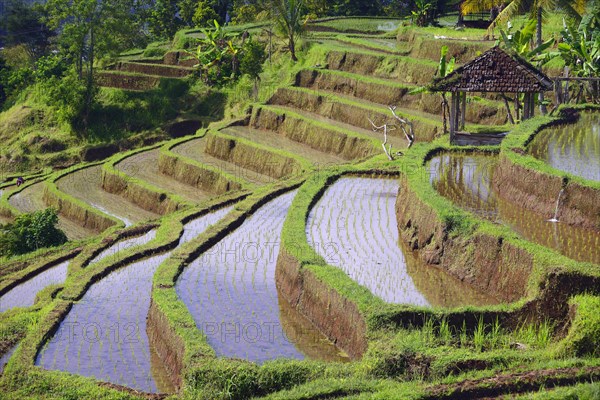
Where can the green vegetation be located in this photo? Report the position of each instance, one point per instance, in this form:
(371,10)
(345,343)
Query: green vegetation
(31,232)
(55,113)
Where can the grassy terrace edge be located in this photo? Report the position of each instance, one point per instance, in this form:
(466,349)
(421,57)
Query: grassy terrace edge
(144,194)
(519,169)
(183,346)
(49,316)
(192,172)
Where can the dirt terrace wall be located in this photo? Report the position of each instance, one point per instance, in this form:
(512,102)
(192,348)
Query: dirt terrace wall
(194,174)
(484,261)
(75,212)
(146,198)
(168,345)
(127,82)
(429,48)
(335,316)
(168,71)
(538,191)
(404,69)
(477,112)
(179,58)
(347,113)
(313,135)
(250,157)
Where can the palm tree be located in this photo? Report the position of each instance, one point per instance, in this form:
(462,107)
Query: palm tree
(288,21)
(537,9)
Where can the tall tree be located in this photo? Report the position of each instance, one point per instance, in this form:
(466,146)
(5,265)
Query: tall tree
(163,21)
(23,26)
(92,29)
(536,8)
(289,22)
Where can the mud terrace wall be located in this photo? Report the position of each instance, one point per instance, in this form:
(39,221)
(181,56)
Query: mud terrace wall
(134,190)
(405,69)
(393,94)
(167,71)
(322,138)
(535,185)
(484,261)
(126,81)
(333,314)
(250,156)
(193,173)
(428,48)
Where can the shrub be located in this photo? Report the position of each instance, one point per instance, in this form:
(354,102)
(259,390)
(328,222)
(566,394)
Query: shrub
(30,232)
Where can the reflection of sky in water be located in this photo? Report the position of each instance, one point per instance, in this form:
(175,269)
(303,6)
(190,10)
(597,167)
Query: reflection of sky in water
(353,227)
(573,148)
(198,225)
(23,295)
(6,357)
(231,293)
(123,245)
(466,180)
(104,334)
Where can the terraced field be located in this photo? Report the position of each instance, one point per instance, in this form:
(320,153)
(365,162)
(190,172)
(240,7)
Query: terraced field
(195,149)
(31,199)
(104,334)
(394,288)
(144,166)
(23,295)
(467,181)
(231,293)
(86,185)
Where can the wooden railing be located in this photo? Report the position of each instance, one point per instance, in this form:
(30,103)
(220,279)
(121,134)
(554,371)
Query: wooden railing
(576,90)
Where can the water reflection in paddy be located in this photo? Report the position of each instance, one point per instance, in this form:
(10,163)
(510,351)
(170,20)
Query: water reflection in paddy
(467,181)
(354,227)
(573,148)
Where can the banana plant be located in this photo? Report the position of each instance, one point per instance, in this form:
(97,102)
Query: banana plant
(519,42)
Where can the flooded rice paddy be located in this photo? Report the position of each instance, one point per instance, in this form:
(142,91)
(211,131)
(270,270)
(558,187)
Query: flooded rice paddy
(6,357)
(573,148)
(23,295)
(104,334)
(467,181)
(231,293)
(353,227)
(125,244)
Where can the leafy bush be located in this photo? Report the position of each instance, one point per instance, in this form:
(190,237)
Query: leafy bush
(30,232)
(68,95)
(252,58)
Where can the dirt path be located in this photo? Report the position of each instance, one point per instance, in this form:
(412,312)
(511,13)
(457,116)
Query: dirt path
(274,140)
(514,383)
(194,149)
(144,166)
(86,185)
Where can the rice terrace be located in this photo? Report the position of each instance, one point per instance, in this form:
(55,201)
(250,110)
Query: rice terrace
(294,199)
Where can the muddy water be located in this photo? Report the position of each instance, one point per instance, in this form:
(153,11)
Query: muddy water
(466,180)
(104,334)
(573,148)
(232,295)
(353,227)
(123,245)
(23,295)
(6,357)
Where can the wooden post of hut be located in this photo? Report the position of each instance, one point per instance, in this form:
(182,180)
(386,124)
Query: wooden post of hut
(495,71)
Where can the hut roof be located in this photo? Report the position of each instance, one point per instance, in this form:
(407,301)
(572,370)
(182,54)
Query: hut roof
(495,71)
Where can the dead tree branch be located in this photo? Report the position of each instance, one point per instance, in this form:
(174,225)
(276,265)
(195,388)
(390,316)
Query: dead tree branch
(410,136)
(387,151)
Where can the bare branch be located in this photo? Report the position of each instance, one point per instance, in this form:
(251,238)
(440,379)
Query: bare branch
(410,136)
